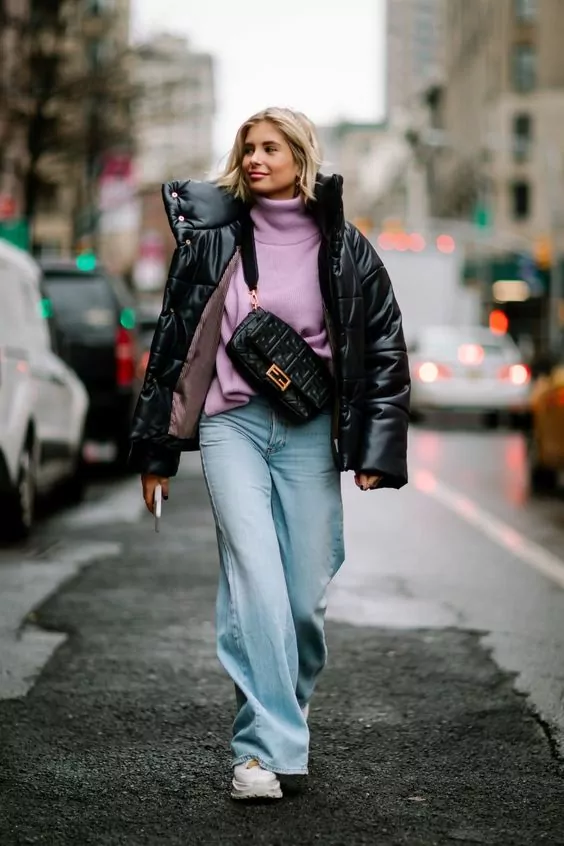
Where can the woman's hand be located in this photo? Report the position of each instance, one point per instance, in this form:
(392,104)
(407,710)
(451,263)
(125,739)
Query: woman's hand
(366,482)
(149,483)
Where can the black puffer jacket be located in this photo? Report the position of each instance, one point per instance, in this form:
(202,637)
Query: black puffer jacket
(364,324)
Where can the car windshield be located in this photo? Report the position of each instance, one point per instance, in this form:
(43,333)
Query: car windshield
(81,302)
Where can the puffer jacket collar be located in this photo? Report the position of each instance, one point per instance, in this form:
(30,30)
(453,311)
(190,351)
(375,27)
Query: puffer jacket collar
(193,205)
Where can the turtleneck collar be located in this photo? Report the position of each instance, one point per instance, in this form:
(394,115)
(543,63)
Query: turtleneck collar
(282,222)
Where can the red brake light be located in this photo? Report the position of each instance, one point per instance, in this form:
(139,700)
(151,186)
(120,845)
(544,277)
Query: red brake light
(499,322)
(429,372)
(125,358)
(517,374)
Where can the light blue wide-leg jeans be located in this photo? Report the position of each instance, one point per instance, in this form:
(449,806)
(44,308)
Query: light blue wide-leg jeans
(276,498)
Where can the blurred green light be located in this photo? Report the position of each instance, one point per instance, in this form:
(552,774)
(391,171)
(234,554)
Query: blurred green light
(127,318)
(45,309)
(86,262)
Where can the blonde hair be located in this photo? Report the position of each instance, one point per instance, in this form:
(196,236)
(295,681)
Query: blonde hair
(302,139)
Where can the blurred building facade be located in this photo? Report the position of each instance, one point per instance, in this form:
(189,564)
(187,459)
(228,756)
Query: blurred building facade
(90,99)
(14,43)
(175,110)
(174,117)
(414,48)
(503,117)
(63,65)
(349,149)
(500,164)
(384,181)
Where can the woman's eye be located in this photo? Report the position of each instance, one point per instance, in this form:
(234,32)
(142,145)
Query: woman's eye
(270,149)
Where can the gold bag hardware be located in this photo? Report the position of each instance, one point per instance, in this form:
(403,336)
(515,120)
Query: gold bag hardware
(280,379)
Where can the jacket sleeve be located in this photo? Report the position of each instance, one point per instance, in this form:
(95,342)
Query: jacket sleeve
(383,448)
(155,459)
(152,411)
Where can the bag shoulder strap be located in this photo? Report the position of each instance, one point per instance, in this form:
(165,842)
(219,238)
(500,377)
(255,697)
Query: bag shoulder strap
(249,253)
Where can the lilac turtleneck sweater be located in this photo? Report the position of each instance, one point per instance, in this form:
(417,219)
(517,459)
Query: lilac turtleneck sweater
(287,244)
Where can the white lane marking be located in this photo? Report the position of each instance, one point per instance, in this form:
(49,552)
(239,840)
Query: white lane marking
(502,533)
(24,586)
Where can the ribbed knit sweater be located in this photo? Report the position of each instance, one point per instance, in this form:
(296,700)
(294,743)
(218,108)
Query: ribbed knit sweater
(287,245)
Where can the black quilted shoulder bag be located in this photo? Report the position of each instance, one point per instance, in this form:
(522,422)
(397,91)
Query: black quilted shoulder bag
(272,357)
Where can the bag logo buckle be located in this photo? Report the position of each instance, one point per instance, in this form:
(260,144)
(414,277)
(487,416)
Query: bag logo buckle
(280,379)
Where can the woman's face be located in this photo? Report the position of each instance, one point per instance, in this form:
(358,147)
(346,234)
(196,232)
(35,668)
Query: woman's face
(268,163)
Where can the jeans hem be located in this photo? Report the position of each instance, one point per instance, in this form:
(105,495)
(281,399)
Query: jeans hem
(242,759)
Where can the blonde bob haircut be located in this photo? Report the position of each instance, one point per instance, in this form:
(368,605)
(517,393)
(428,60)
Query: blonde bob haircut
(301,136)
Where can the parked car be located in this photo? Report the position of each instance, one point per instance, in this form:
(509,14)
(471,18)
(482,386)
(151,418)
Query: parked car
(94,317)
(546,438)
(43,404)
(469,369)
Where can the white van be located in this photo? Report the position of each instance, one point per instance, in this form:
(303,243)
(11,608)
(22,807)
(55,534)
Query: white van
(43,404)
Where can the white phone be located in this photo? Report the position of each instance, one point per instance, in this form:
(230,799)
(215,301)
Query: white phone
(158,506)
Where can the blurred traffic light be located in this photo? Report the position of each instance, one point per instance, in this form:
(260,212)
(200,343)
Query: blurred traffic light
(499,322)
(86,262)
(46,309)
(128,318)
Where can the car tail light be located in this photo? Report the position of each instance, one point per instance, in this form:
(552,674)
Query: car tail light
(517,374)
(429,372)
(125,358)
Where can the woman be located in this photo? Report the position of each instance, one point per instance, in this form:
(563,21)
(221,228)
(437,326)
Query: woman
(274,485)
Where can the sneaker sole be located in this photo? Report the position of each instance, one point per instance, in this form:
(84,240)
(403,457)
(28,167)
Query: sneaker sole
(256,791)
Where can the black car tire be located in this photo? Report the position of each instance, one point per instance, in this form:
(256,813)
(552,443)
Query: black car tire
(18,506)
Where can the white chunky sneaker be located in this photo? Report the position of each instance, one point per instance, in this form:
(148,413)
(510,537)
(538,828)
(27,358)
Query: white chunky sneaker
(251,781)
(305,710)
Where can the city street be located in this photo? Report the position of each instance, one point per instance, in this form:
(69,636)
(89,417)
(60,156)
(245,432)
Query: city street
(439,720)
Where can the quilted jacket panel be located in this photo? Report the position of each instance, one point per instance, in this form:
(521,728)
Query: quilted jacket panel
(371,366)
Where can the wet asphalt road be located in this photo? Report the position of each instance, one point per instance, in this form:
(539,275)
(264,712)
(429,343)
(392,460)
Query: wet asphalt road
(438,721)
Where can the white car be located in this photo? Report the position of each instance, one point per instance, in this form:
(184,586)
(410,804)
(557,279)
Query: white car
(43,404)
(468,369)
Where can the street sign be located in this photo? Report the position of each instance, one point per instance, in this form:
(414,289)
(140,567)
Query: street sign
(149,271)
(482,216)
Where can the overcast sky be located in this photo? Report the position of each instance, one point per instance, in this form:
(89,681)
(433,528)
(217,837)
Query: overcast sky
(321,56)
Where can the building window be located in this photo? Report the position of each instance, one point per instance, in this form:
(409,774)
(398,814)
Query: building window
(522,137)
(524,67)
(521,200)
(526,10)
